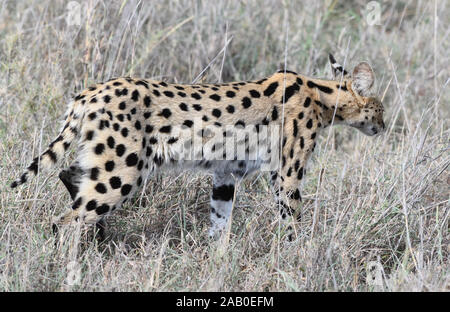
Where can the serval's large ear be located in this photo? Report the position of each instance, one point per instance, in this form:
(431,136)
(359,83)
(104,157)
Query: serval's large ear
(363,78)
(337,68)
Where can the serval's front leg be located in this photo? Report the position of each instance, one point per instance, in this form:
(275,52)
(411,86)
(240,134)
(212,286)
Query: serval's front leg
(286,182)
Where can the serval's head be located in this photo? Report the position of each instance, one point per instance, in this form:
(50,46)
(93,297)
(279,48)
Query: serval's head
(357,107)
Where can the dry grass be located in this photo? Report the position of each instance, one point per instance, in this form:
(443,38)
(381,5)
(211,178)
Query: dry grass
(383,199)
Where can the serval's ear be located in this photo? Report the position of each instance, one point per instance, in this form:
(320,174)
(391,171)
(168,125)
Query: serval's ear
(363,78)
(337,68)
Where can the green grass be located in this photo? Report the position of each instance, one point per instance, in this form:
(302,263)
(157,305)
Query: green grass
(383,199)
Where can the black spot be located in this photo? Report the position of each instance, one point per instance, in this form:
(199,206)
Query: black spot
(295,195)
(318,103)
(261,81)
(125,190)
(230,94)
(89,135)
(197,107)
(301,115)
(156,92)
(286,71)
(158,160)
(307,102)
(302,142)
(215,97)
(131,160)
(216,112)
(309,124)
(118,93)
(79,97)
(94,174)
(172,140)
(109,165)
(142,83)
(147,115)
(165,129)
(122,105)
(290,91)
(116,127)
(77,203)
(152,140)
(120,117)
(299,81)
(205,118)
(274,114)
(188,123)
(148,128)
(110,141)
(91,205)
(230,109)
(246,102)
(313,136)
(271,89)
(124,132)
(168,94)
(223,192)
(300,173)
(295,128)
(135,95)
(93,100)
(254,94)
(74,130)
(196,96)
(147,101)
(102,209)
(92,116)
(324,89)
(165,113)
(115,182)
(149,151)
(342,87)
(99,148)
(102,124)
(120,150)
(289,172)
(240,123)
(137,125)
(101,188)
(107,99)
(183,107)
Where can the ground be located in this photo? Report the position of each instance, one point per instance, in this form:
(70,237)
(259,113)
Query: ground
(376,210)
